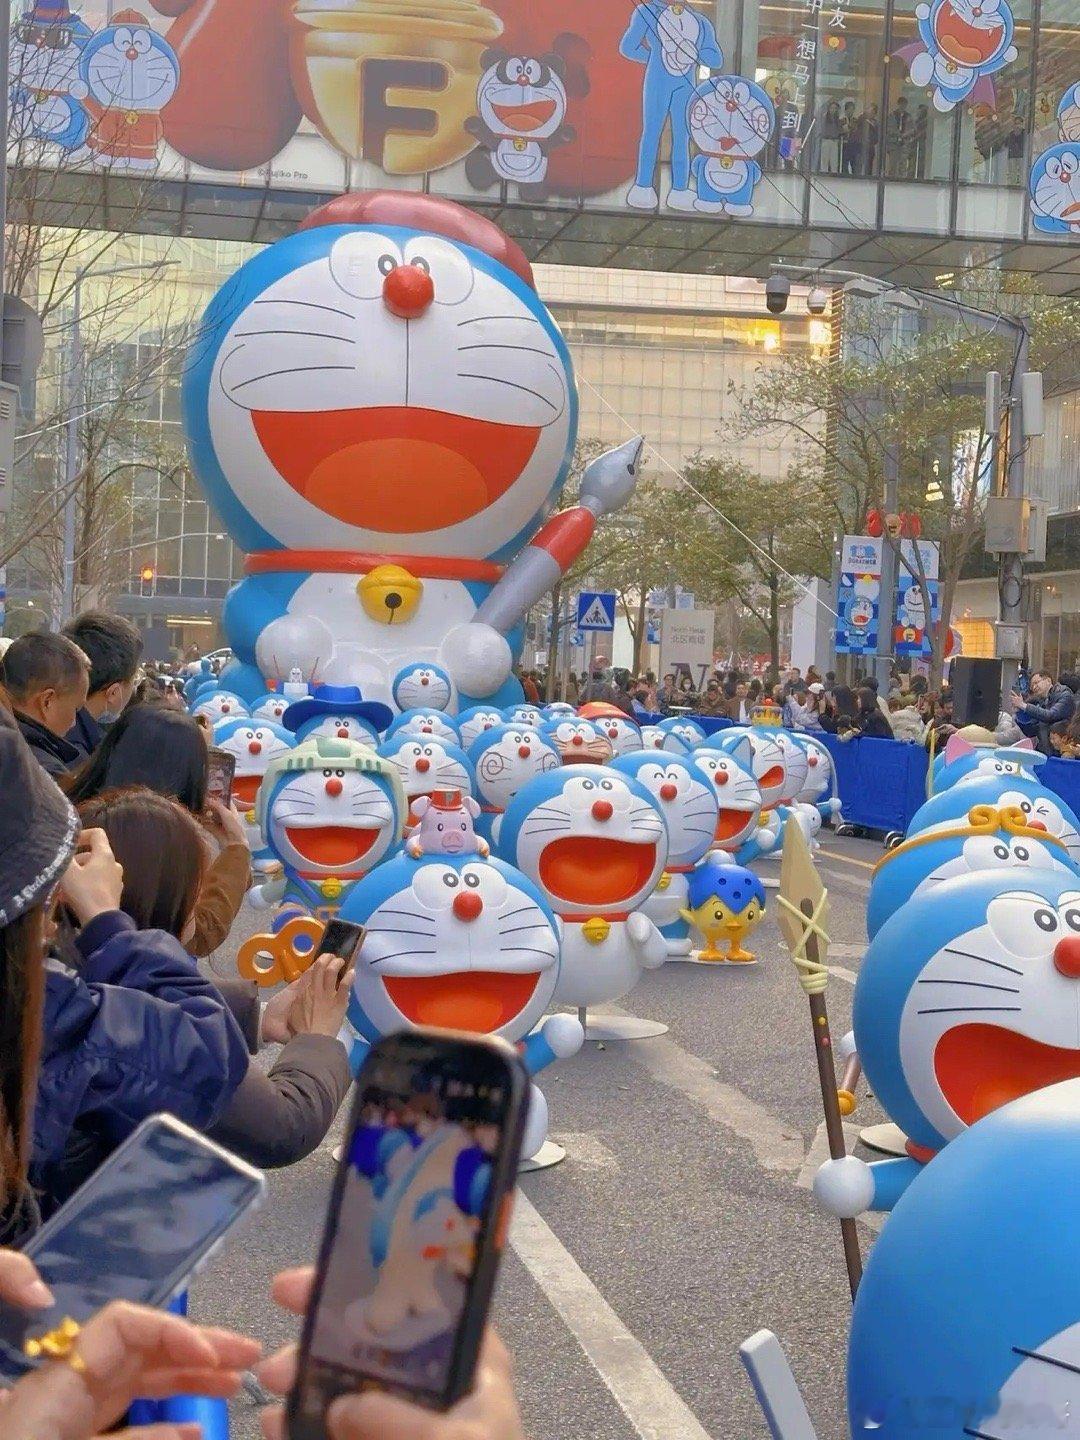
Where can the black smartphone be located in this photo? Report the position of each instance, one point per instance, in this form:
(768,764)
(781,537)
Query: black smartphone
(417,1220)
(222,771)
(341,938)
(144,1223)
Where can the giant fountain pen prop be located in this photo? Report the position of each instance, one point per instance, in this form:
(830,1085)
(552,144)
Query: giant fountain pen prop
(803,912)
(607,485)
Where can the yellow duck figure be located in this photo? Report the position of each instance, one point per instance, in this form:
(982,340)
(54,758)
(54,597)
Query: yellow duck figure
(726,902)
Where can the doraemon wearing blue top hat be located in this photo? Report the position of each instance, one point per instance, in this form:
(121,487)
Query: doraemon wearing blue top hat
(339,711)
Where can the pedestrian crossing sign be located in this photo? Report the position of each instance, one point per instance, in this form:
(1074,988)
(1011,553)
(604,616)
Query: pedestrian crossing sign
(596,610)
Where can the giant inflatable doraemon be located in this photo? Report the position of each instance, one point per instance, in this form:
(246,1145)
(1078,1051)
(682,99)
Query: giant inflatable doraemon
(731,121)
(459,943)
(505,759)
(961,44)
(383,414)
(967,999)
(967,1319)
(595,843)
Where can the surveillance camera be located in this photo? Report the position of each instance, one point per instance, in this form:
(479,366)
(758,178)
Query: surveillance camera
(817,302)
(777,294)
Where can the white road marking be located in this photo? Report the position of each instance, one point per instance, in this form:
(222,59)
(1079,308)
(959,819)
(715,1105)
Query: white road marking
(842,974)
(643,1393)
(586,1150)
(816,1157)
(846,952)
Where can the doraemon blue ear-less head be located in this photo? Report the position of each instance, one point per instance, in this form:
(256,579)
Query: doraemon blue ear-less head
(425,724)
(968,997)
(507,758)
(422,687)
(1010,789)
(688,798)
(730,773)
(425,764)
(681,734)
(475,720)
(967,1320)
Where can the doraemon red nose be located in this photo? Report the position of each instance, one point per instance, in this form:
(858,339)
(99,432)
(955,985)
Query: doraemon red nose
(408,291)
(334,787)
(468,905)
(254,747)
(668,791)
(1067,957)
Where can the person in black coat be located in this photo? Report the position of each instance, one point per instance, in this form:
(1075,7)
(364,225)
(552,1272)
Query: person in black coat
(1047,705)
(45,678)
(869,719)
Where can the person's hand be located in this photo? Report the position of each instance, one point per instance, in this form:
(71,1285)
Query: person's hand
(126,1351)
(20,1283)
(321,997)
(1016,700)
(94,881)
(489,1411)
(224,823)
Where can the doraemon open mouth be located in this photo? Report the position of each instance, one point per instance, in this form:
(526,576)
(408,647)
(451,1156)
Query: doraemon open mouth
(350,463)
(982,1067)
(588,871)
(331,845)
(480,1000)
(730,823)
(246,787)
(773,776)
(533,116)
(963,42)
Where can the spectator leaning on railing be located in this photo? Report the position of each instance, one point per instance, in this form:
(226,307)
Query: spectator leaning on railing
(1049,703)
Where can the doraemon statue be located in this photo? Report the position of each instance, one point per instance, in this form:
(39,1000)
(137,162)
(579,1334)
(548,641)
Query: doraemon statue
(624,733)
(961,758)
(330,811)
(1054,188)
(652,737)
(731,122)
(739,831)
(595,843)
(271,706)
(391,469)
(558,710)
(819,787)
(460,943)
(768,758)
(579,742)
(530,715)
(425,765)
(422,687)
(425,724)
(967,1318)
(339,711)
(474,721)
(215,704)
(967,998)
(681,734)
(689,801)
(47,92)
(256,744)
(505,759)
(1003,778)
(961,44)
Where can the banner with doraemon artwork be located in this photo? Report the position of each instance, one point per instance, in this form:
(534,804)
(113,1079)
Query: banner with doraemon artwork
(858,596)
(910,631)
(1054,186)
(961,45)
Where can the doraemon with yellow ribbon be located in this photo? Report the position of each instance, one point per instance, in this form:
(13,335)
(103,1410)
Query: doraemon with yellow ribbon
(383,413)
(329,811)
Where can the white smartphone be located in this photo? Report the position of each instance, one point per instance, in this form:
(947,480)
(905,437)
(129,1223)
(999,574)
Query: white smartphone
(139,1229)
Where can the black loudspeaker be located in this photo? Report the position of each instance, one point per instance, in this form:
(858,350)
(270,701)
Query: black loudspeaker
(976,689)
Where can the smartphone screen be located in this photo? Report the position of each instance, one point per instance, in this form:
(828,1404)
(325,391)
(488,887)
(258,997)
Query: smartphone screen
(341,938)
(137,1230)
(415,1224)
(220,778)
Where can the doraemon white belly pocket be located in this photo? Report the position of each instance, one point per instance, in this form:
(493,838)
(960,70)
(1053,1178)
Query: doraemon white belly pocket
(726,177)
(520,160)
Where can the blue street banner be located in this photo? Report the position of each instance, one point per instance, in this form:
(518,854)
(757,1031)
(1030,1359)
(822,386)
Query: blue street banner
(858,596)
(596,610)
(911,634)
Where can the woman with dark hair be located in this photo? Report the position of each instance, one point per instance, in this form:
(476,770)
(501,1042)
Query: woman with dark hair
(273,1119)
(165,751)
(868,718)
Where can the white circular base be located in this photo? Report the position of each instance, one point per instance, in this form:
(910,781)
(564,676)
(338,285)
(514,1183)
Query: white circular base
(887,1138)
(548,1155)
(622,1027)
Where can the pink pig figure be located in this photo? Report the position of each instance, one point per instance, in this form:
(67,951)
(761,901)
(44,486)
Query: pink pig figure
(446,826)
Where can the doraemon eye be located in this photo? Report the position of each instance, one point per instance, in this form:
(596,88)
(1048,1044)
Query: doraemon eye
(451,274)
(122,39)
(472,880)
(741,94)
(450,881)
(607,785)
(141,42)
(1070,917)
(360,262)
(532,72)
(1024,925)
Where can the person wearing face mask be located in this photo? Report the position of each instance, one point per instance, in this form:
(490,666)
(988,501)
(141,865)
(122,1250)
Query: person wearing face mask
(113,646)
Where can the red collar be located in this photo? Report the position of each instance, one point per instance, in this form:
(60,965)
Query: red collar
(921,1153)
(343,875)
(584,919)
(679,869)
(359,562)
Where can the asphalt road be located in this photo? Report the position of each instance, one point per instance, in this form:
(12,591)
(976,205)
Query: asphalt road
(678,1224)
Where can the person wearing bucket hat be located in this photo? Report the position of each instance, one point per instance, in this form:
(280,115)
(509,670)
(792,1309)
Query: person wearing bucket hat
(339,711)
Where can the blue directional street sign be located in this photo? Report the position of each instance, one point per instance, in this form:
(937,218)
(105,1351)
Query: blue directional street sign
(596,610)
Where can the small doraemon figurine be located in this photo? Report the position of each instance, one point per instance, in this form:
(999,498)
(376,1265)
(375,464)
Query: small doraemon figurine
(1054,188)
(819,787)
(330,811)
(967,1318)
(689,801)
(423,725)
(47,90)
(424,765)
(271,706)
(521,109)
(474,721)
(579,742)
(530,715)
(131,73)
(505,759)
(739,830)
(681,734)
(961,44)
(724,904)
(460,943)
(967,998)
(217,705)
(652,737)
(256,744)
(339,711)
(446,826)
(624,733)
(422,687)
(731,122)
(595,842)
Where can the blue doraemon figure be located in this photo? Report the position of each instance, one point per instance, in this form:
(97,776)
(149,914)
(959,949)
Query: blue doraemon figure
(689,800)
(967,998)
(681,734)
(530,715)
(392,474)
(213,703)
(271,706)
(1054,189)
(962,756)
(967,1319)
(425,764)
(255,745)
(474,721)
(1006,777)
(47,91)
(505,759)
(945,840)
(731,122)
(423,725)
(423,687)
(339,711)
(741,836)
(460,943)
(675,43)
(961,44)
(820,787)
